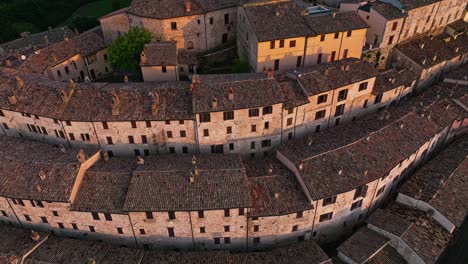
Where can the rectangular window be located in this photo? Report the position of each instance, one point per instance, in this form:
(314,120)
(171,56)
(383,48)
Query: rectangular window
(227,213)
(320,114)
(149,215)
(119,230)
(59,73)
(211,21)
(229,130)
(254,112)
(227,229)
(181,122)
(326,217)
(227,240)
(27,217)
(365,103)
(108,216)
(348,34)
(322,38)
(131,140)
(267,110)
(332,56)
(266,143)
(171,215)
(322,99)
(185,150)
(169,134)
(299,61)
(252,145)
(202,230)
(319,58)
(228,115)
(356,205)
(241,211)
(394,26)
(104,125)
(183,134)
(61,226)
(390,40)
(317,129)
(339,110)
(290,111)
(74,226)
(272,44)
(226,19)
(299,214)
(148,124)
(256,240)
(253,128)
(201,214)
(267,125)
(363,86)
(231,146)
(217,240)
(292,43)
(109,141)
(68,123)
(170,232)
(134,124)
(206,133)
(256,228)
(95,216)
(142,231)
(168,122)
(276,67)
(1,113)
(378,99)
(342,95)
(337,35)
(144,139)
(281,44)
(345,53)
(55,213)
(44,220)
(164,69)
(205,117)
(380,191)
(329,200)
(294,228)
(289,122)
(174,25)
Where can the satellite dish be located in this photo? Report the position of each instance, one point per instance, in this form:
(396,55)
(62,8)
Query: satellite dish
(23,57)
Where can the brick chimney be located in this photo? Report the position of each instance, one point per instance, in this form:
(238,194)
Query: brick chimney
(231,94)
(19,82)
(188,6)
(115,104)
(156,103)
(214,103)
(126,78)
(270,74)
(81,156)
(13,99)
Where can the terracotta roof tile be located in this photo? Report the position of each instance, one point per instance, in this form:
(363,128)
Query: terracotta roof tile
(337,22)
(361,246)
(159,54)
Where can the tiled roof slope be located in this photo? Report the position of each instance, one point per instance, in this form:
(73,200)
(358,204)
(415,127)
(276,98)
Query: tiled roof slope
(14,242)
(363,245)
(387,10)
(392,79)
(105,186)
(70,251)
(85,44)
(163,9)
(388,255)
(428,51)
(412,4)
(343,135)
(348,167)
(277,20)
(159,54)
(316,79)
(23,162)
(442,182)
(421,233)
(251,90)
(335,22)
(123,255)
(221,183)
(39,39)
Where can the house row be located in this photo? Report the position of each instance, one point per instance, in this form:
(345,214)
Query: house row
(421,224)
(79,58)
(247,114)
(281,35)
(24,246)
(394,21)
(318,189)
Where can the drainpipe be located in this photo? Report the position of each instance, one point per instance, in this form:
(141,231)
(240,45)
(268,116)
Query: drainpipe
(33,249)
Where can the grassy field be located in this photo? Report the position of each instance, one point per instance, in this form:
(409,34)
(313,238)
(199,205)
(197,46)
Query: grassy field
(97,9)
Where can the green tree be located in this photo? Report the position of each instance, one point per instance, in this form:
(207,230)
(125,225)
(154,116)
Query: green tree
(240,66)
(124,53)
